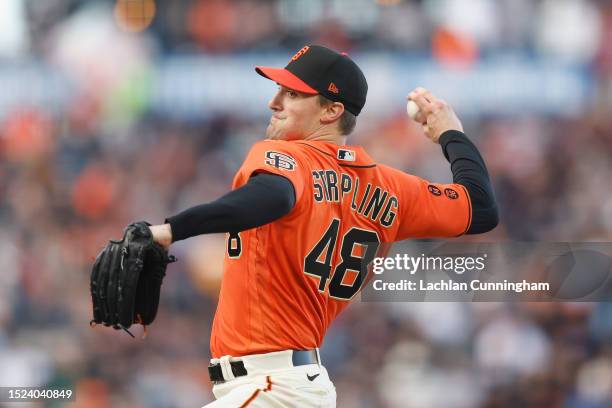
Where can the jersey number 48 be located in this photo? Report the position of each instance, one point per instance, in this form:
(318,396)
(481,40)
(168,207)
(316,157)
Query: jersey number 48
(315,264)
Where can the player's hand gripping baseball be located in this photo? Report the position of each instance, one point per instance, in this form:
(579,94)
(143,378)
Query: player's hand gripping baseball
(434,114)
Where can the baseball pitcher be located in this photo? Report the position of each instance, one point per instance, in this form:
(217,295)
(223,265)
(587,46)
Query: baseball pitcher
(306,214)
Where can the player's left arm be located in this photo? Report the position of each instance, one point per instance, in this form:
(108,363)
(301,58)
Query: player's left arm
(263,199)
(270,186)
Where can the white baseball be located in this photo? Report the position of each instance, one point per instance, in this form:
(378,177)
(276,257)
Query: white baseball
(412,108)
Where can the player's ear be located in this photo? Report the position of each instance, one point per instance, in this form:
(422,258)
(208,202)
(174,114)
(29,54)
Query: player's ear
(332,112)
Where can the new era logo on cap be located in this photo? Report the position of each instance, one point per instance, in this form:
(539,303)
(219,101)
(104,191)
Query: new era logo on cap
(333,88)
(346,155)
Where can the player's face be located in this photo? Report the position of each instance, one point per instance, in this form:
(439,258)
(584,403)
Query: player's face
(295,115)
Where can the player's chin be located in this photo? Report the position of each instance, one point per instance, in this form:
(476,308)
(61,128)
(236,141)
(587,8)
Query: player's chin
(273,133)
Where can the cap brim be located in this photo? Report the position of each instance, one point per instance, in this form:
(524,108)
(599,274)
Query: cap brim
(285,78)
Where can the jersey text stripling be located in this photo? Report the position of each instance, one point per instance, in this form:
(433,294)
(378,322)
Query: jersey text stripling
(369,201)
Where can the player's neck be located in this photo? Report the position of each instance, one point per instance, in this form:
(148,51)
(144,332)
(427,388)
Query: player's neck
(331,137)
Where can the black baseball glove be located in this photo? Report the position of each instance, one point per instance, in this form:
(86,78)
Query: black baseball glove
(126,279)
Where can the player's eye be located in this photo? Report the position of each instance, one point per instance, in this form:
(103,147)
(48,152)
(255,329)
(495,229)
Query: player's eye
(291,93)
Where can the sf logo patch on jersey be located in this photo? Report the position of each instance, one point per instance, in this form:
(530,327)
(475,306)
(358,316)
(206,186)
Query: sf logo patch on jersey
(280,160)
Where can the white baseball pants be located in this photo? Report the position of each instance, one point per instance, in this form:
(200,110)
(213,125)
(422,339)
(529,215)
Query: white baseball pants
(273,382)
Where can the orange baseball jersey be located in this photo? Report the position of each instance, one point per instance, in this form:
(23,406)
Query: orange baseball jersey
(286,281)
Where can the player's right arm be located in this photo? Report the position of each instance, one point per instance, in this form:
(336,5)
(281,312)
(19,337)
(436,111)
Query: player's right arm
(466,206)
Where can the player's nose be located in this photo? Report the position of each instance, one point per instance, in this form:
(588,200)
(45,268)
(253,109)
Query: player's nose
(275,103)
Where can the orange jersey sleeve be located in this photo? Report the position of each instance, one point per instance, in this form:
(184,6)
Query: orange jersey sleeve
(274,157)
(431,210)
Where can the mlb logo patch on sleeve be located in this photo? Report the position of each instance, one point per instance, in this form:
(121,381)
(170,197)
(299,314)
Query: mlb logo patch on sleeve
(346,155)
(279,160)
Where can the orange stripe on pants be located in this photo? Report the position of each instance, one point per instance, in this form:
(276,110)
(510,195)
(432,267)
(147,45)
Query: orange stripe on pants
(252,397)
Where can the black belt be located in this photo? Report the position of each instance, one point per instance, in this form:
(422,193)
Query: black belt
(298,358)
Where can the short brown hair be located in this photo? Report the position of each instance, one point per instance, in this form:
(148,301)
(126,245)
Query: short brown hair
(347,120)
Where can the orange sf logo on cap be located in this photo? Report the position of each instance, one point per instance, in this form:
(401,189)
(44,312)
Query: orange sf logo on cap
(300,53)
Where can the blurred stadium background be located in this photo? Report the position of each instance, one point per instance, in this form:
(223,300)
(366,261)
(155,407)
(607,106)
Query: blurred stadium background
(112,111)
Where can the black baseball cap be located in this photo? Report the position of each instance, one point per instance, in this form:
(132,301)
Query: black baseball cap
(318,70)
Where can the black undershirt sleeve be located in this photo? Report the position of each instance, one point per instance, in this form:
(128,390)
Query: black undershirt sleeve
(470,171)
(263,199)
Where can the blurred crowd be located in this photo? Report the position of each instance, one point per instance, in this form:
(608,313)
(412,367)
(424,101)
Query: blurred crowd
(573,28)
(71,181)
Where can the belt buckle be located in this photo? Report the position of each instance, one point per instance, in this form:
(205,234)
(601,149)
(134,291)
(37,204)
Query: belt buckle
(305,357)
